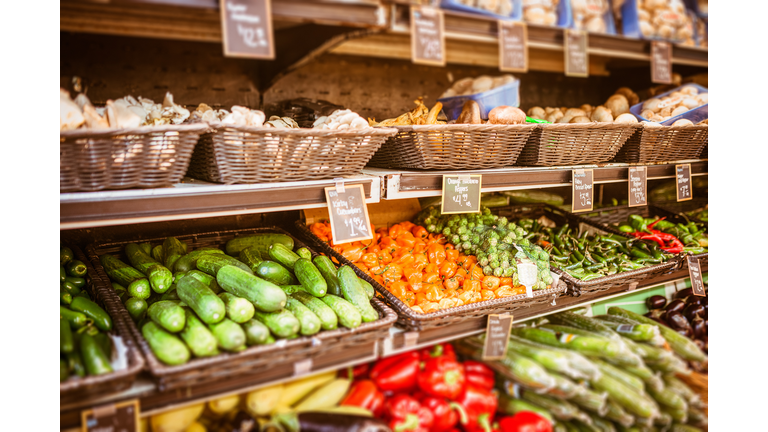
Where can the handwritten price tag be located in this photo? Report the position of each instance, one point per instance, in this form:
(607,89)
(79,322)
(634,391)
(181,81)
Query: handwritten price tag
(497,336)
(661,62)
(582,190)
(513,46)
(683,180)
(349,214)
(576,56)
(247,28)
(694,271)
(638,185)
(121,417)
(461,193)
(427,36)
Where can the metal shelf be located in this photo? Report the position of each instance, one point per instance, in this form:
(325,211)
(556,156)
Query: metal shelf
(399,184)
(194,199)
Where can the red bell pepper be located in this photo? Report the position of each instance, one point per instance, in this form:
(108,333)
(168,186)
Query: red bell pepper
(365,394)
(406,414)
(441,377)
(480,406)
(479,375)
(525,421)
(396,373)
(447,414)
(438,350)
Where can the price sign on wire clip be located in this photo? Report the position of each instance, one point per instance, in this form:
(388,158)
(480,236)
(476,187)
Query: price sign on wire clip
(576,56)
(348,213)
(582,190)
(461,193)
(120,417)
(513,46)
(427,36)
(683,181)
(497,336)
(661,62)
(247,28)
(638,186)
(694,271)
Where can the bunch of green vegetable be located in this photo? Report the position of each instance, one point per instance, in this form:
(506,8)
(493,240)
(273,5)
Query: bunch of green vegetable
(84,345)
(608,372)
(499,245)
(690,236)
(255,291)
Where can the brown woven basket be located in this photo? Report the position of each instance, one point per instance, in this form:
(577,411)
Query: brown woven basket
(664,144)
(76,389)
(147,157)
(256,359)
(577,287)
(239,154)
(606,217)
(414,321)
(453,146)
(572,144)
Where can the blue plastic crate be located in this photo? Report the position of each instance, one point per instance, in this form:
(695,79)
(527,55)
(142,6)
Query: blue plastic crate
(695,115)
(508,94)
(455,5)
(631,22)
(610,24)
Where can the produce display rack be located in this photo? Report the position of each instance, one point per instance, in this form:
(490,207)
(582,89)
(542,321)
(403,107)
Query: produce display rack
(365,28)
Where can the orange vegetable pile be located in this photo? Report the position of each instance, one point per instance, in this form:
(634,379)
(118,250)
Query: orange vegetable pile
(421,269)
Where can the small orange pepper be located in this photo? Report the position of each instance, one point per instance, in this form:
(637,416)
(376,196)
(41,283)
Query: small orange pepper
(434,293)
(451,284)
(490,282)
(430,307)
(448,269)
(505,281)
(487,294)
(460,275)
(451,254)
(419,232)
(436,253)
(476,273)
(431,277)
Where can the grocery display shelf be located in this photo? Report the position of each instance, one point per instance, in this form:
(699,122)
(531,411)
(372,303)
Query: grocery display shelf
(195,199)
(400,184)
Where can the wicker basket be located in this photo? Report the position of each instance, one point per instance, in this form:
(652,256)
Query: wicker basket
(256,359)
(239,154)
(414,321)
(605,218)
(577,287)
(664,144)
(147,157)
(77,389)
(573,144)
(453,146)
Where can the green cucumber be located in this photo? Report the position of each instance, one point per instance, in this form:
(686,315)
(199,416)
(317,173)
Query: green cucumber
(65,297)
(238,309)
(66,342)
(171,294)
(304,253)
(346,312)
(119,289)
(355,294)
(146,248)
(250,257)
(326,315)
(329,271)
(282,324)
(179,275)
(76,319)
(256,333)
(188,261)
(75,363)
(167,314)
(100,317)
(76,281)
(158,253)
(211,264)
(70,288)
(137,308)
(275,273)
(265,296)
(167,347)
(105,342)
(133,280)
(62,274)
(65,255)
(260,241)
(309,322)
(369,291)
(281,254)
(160,278)
(201,299)
(204,278)
(95,360)
(173,250)
(290,289)
(197,336)
(229,335)
(76,268)
(310,277)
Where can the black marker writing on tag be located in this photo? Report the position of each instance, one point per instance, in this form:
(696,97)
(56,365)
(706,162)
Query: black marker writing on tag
(427,36)
(349,214)
(638,184)
(576,57)
(247,28)
(683,181)
(694,271)
(582,190)
(513,46)
(461,193)
(497,336)
(121,417)
(661,62)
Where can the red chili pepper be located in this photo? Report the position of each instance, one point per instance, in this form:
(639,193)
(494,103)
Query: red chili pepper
(397,373)
(405,414)
(479,375)
(525,421)
(653,237)
(480,406)
(446,414)
(438,350)
(675,246)
(663,235)
(442,377)
(651,225)
(365,394)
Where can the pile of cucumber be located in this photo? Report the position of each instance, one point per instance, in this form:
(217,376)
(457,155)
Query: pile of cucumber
(254,292)
(609,372)
(85,348)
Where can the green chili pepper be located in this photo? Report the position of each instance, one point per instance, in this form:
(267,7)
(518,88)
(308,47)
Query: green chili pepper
(594,267)
(578,254)
(573,266)
(647,261)
(626,228)
(591,276)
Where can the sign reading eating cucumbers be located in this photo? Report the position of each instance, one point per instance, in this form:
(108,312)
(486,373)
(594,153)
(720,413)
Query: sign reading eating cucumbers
(348,213)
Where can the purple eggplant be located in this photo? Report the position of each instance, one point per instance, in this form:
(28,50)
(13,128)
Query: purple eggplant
(684,293)
(655,314)
(675,306)
(697,325)
(693,310)
(656,302)
(677,321)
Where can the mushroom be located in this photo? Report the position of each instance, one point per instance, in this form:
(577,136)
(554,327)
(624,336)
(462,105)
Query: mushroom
(681,109)
(580,119)
(618,105)
(537,113)
(683,122)
(70,116)
(626,118)
(602,114)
